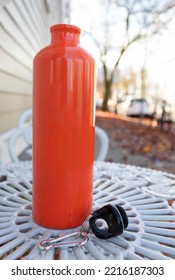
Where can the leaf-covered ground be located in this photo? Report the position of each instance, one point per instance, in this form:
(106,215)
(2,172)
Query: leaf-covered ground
(138,142)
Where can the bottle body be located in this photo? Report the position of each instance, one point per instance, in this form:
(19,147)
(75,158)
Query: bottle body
(63,135)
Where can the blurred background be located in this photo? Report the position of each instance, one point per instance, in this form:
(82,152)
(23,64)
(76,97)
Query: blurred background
(133,44)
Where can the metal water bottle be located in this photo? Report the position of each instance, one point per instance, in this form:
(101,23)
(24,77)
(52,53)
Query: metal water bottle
(63,130)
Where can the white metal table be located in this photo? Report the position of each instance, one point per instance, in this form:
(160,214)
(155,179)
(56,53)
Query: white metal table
(149,235)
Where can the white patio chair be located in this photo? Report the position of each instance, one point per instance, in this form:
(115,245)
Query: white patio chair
(22,138)
(25,119)
(173,205)
(17,143)
(4,154)
(25,125)
(101,143)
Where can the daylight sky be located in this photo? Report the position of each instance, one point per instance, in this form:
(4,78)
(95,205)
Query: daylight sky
(160,59)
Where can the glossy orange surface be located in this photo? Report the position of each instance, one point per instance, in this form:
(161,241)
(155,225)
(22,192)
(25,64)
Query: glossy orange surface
(63,131)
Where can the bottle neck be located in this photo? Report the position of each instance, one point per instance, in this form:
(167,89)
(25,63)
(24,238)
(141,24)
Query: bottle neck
(65,34)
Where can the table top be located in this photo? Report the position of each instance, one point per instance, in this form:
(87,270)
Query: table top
(149,235)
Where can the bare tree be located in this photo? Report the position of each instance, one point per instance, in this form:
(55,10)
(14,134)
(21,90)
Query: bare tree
(137,20)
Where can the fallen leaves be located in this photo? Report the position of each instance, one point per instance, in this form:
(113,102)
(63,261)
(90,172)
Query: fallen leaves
(140,139)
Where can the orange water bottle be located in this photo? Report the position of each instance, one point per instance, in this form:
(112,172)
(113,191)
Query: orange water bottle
(63,131)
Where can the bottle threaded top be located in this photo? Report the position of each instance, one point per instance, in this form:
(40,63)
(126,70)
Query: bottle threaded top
(65,28)
(65,34)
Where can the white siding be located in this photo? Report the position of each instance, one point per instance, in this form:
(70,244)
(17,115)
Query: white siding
(24,30)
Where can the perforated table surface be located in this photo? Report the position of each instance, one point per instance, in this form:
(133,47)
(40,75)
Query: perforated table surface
(149,235)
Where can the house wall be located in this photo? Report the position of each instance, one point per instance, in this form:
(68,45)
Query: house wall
(24,30)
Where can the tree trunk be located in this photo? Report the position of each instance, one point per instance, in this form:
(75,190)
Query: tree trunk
(107,95)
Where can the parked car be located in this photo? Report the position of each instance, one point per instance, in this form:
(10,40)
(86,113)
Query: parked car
(139,107)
